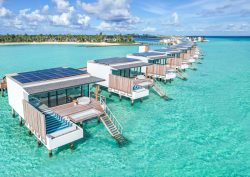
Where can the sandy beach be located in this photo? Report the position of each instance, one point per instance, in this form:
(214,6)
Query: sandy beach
(100,44)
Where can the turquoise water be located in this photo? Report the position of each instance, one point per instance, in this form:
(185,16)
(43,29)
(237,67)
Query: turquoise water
(203,131)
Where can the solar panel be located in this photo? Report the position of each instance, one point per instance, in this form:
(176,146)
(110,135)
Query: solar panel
(167,51)
(147,54)
(116,60)
(47,74)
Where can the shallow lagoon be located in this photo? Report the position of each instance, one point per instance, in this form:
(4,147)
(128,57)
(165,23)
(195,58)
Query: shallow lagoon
(204,130)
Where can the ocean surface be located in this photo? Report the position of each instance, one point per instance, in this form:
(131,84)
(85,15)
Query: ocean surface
(203,131)
(147,39)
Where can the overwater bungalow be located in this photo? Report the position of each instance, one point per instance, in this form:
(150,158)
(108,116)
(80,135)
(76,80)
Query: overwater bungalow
(123,76)
(159,68)
(187,51)
(53,103)
(174,58)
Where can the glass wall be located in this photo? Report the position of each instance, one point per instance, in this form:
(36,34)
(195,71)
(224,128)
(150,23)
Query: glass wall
(161,61)
(62,96)
(131,72)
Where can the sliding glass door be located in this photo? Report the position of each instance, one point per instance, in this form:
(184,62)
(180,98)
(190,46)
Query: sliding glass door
(62,96)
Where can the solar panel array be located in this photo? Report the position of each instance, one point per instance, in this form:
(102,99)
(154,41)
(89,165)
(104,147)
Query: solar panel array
(47,74)
(147,54)
(168,50)
(116,60)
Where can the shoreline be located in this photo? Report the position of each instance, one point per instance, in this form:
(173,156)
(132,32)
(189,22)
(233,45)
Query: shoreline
(98,44)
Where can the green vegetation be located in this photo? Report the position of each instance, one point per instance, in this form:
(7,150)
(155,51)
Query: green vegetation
(67,38)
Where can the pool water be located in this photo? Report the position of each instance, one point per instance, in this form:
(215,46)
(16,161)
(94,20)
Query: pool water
(203,131)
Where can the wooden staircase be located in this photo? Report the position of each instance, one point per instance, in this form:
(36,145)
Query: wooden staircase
(180,75)
(112,129)
(112,124)
(160,91)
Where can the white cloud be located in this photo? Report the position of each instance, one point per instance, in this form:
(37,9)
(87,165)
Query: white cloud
(4,12)
(83,20)
(34,16)
(104,26)
(17,23)
(149,29)
(157,8)
(237,27)
(115,11)
(61,5)
(14,23)
(45,9)
(63,19)
(175,18)
(115,27)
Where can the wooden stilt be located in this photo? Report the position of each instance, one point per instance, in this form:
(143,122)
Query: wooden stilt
(72,146)
(30,133)
(20,121)
(98,120)
(120,97)
(13,113)
(39,143)
(97,92)
(50,153)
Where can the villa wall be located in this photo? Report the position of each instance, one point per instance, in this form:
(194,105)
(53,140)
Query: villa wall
(16,95)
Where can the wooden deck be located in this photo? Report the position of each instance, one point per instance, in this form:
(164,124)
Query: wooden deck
(79,113)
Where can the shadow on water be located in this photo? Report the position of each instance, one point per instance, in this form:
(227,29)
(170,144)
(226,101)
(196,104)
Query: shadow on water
(86,136)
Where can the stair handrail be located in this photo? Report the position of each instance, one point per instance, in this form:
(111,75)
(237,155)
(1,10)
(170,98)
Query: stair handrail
(160,88)
(110,114)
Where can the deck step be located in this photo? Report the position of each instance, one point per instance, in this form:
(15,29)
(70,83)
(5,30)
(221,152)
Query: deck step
(159,90)
(113,130)
(180,75)
(112,125)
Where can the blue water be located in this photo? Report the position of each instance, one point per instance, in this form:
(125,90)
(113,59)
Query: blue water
(203,131)
(147,39)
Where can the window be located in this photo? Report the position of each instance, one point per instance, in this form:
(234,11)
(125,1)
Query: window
(127,72)
(116,72)
(52,99)
(42,98)
(73,93)
(133,72)
(61,97)
(85,90)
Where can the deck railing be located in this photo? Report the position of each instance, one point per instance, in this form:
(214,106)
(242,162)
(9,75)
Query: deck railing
(110,114)
(157,69)
(174,62)
(120,83)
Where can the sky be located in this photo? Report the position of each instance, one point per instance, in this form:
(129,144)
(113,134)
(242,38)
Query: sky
(156,17)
